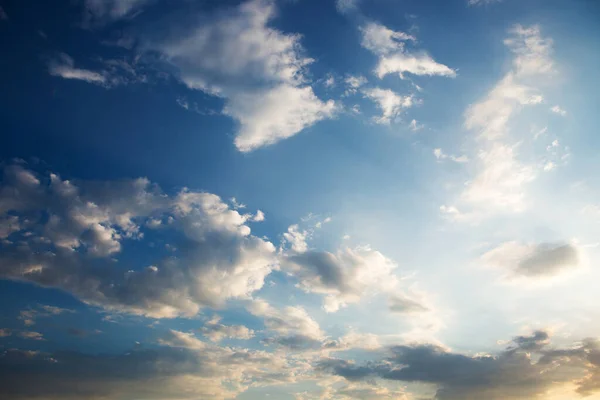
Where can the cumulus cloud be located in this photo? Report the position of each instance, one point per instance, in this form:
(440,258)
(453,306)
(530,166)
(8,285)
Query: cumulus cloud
(510,375)
(291,327)
(390,103)
(533,260)
(87,223)
(344,277)
(215,331)
(236,55)
(390,47)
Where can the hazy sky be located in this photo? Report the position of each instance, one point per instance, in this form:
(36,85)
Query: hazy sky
(308,199)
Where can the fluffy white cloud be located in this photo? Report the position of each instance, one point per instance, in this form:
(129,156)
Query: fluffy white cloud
(390,47)
(259,70)
(390,103)
(216,331)
(73,249)
(533,260)
(344,277)
(269,116)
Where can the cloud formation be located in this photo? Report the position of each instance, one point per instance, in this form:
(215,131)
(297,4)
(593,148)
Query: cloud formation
(390,47)
(236,55)
(72,231)
(533,260)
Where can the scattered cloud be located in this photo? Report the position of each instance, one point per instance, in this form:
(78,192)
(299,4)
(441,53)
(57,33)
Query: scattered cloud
(559,111)
(4,332)
(30,315)
(346,6)
(31,335)
(482,2)
(215,331)
(105,11)
(390,103)
(390,47)
(440,155)
(533,260)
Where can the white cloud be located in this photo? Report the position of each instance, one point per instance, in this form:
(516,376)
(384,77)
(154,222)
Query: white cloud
(216,331)
(533,260)
(415,126)
(440,155)
(281,113)
(391,104)
(31,335)
(355,82)
(216,257)
(481,2)
(345,277)
(559,111)
(234,54)
(64,67)
(390,47)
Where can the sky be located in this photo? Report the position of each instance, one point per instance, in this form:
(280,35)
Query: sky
(299,199)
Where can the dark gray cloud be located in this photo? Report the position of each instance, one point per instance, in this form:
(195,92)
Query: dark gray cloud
(510,375)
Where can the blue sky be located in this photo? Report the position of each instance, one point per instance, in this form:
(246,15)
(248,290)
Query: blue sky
(341,199)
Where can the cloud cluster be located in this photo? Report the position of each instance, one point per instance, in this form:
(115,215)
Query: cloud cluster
(501,178)
(390,47)
(71,232)
(216,331)
(512,374)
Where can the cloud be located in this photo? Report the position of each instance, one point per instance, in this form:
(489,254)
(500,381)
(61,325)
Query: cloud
(177,372)
(291,327)
(30,315)
(31,335)
(344,277)
(215,331)
(390,47)
(405,305)
(509,375)
(4,332)
(533,260)
(391,104)
(440,155)
(482,2)
(104,11)
(63,66)
(559,111)
(346,6)
(235,55)
(415,126)
(3,15)
(74,248)
(281,113)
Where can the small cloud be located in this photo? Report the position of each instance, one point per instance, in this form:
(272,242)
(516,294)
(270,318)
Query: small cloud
(3,15)
(63,66)
(4,332)
(259,217)
(329,81)
(559,111)
(31,335)
(415,126)
(346,6)
(440,155)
